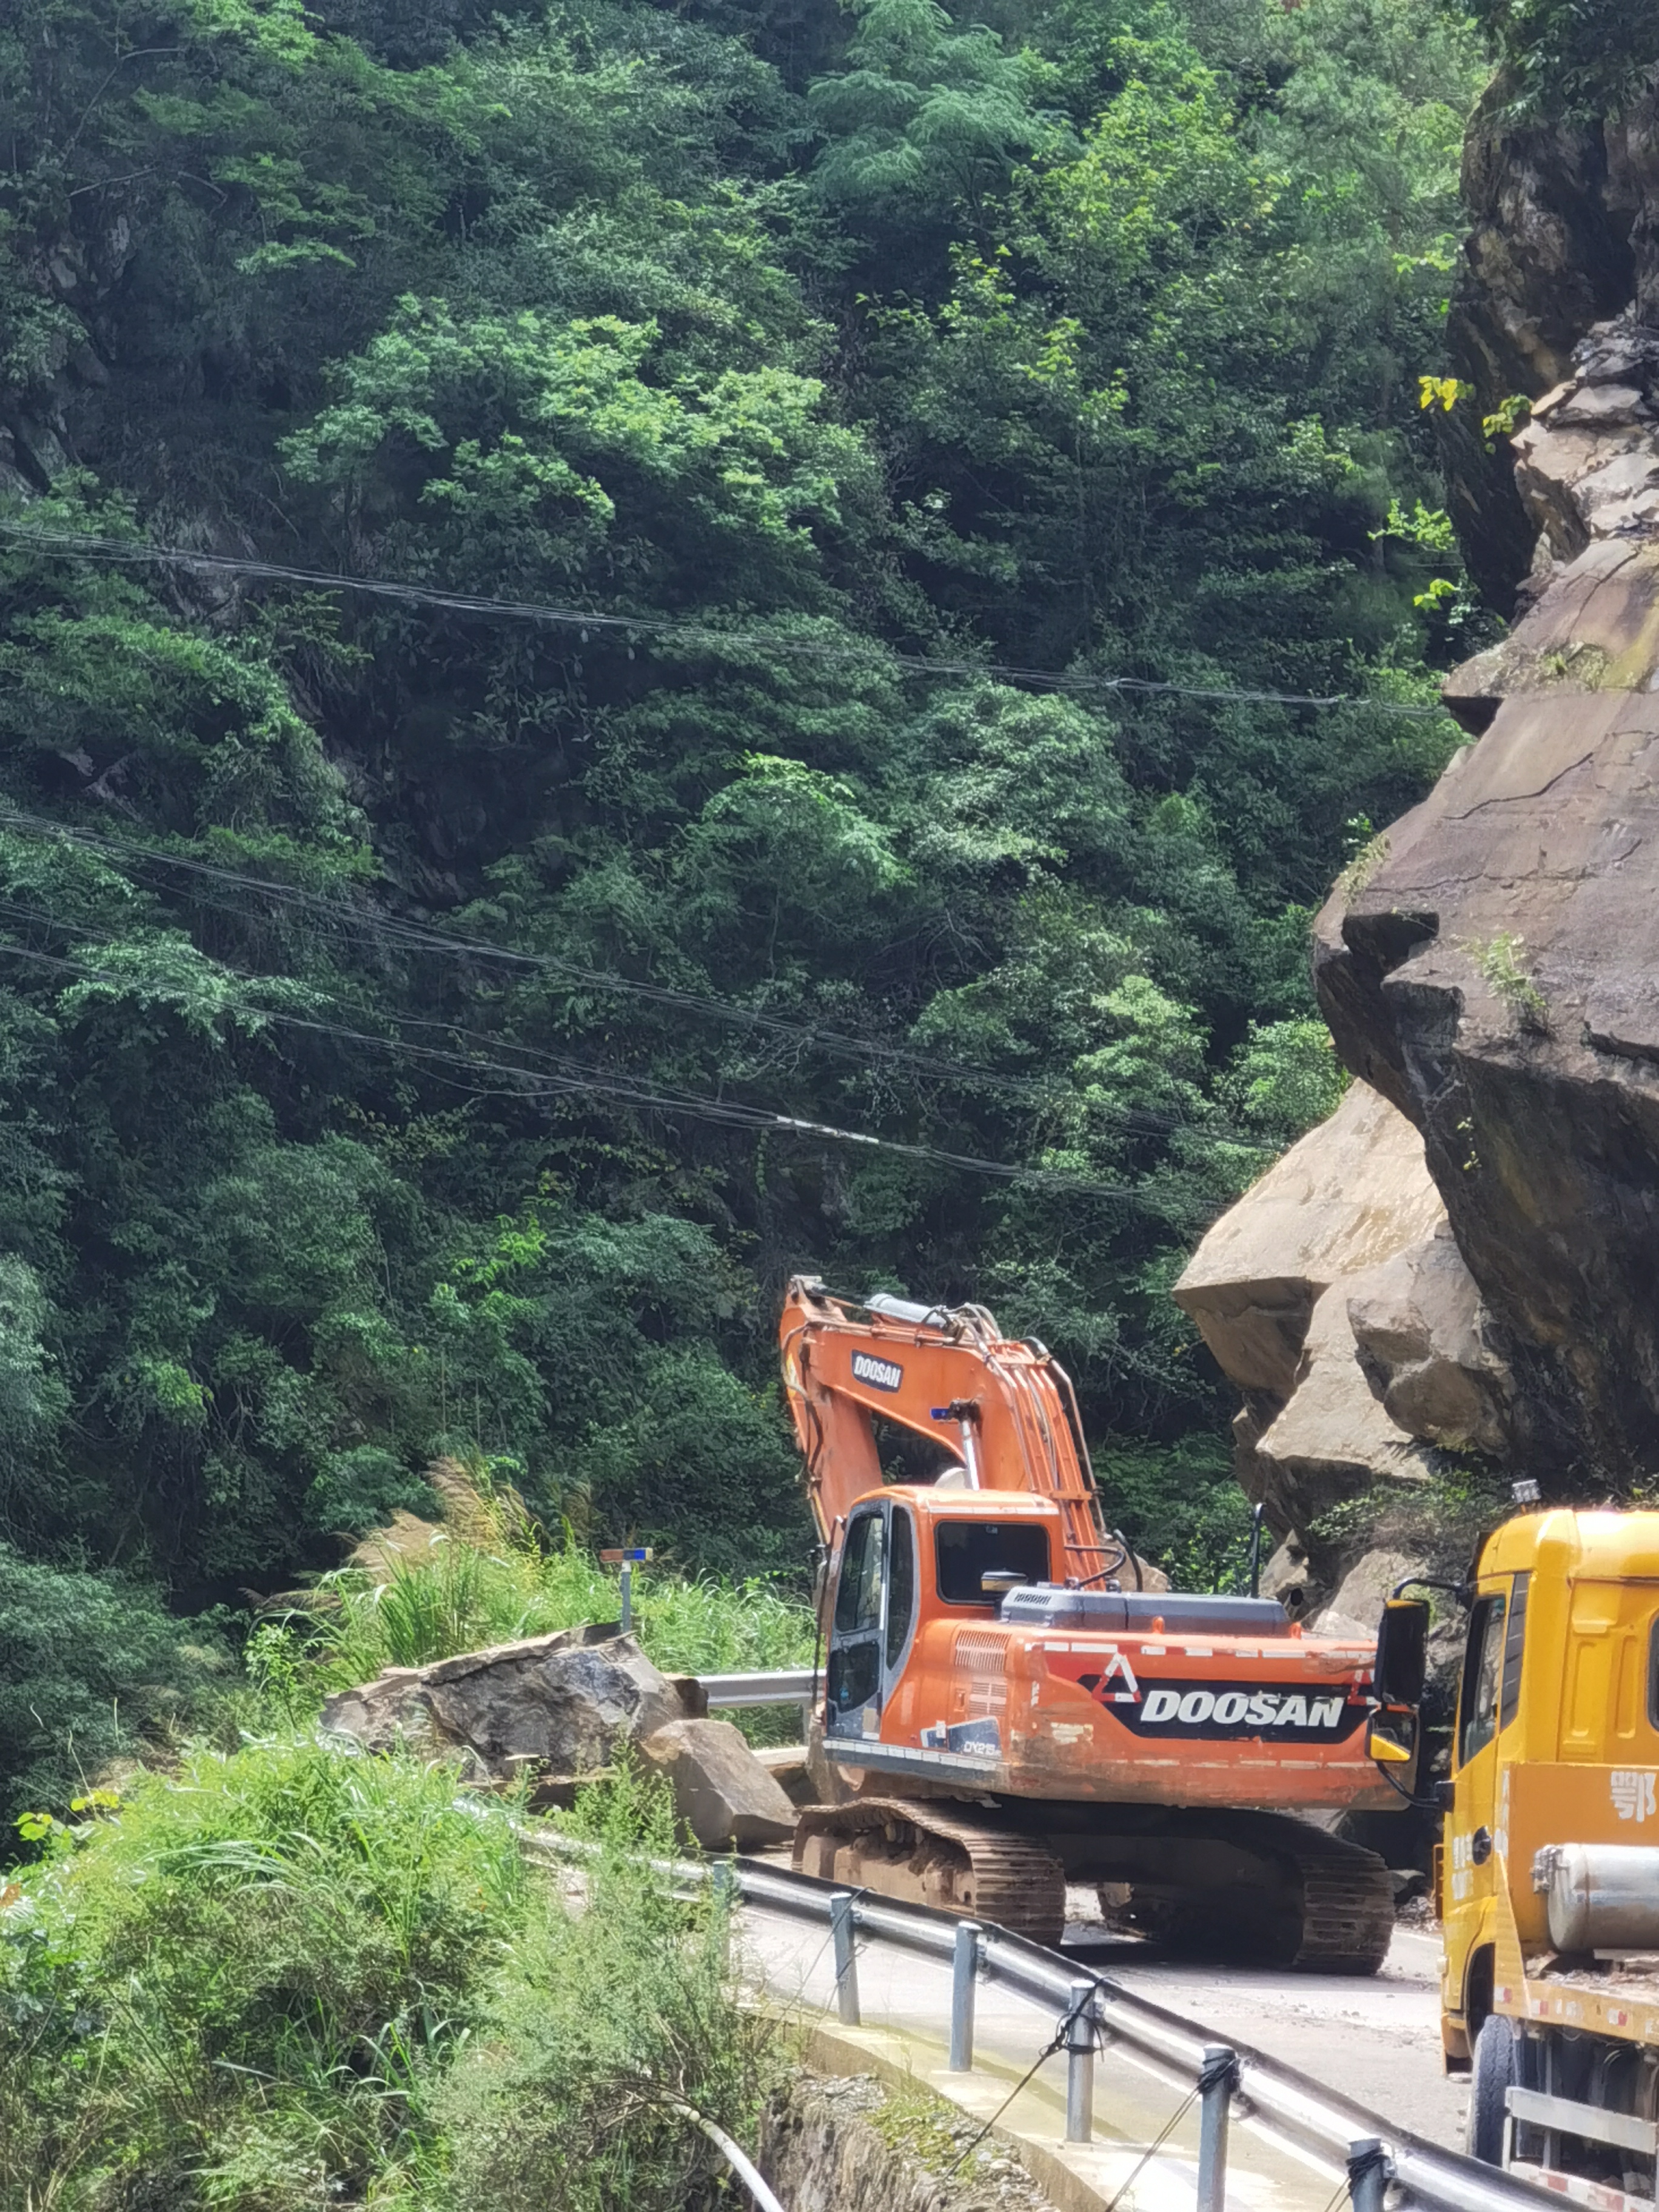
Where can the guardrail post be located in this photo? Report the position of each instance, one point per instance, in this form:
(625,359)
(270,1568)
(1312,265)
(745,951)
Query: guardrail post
(1080,2065)
(1368,2173)
(1218,2078)
(847,1970)
(964,1965)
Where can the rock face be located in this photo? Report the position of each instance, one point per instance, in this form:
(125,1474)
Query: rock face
(1493,972)
(1561,237)
(1495,977)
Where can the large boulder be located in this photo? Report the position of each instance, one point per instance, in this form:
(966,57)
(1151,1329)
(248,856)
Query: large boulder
(1269,1289)
(1493,976)
(1426,1345)
(563,1702)
(1350,1193)
(1334,1439)
(722,1794)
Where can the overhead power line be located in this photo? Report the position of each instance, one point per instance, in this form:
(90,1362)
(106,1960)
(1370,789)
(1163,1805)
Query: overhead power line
(529,1083)
(457,946)
(878,658)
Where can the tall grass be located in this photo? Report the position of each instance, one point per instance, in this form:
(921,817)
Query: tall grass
(292,1979)
(601,2023)
(416,1593)
(460,1598)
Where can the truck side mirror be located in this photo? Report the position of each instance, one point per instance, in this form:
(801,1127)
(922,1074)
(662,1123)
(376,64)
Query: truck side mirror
(1391,1739)
(1402,1651)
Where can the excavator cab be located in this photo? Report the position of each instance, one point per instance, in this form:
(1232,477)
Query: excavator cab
(914,1554)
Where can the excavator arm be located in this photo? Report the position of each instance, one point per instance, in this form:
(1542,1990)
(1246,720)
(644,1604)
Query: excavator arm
(1004,1409)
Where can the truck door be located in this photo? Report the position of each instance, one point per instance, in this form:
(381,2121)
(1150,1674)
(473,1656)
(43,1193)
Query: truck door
(875,1613)
(1471,1873)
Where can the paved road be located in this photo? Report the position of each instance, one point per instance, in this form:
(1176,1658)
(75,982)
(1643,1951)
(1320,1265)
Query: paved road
(906,2005)
(1376,2039)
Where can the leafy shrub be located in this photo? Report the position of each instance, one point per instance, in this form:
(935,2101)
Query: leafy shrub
(1181,1507)
(1579,58)
(237,1974)
(90,1666)
(248,1985)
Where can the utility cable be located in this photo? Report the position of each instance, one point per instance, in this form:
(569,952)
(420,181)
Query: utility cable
(88,547)
(1153,2147)
(1056,2042)
(527,1083)
(453,945)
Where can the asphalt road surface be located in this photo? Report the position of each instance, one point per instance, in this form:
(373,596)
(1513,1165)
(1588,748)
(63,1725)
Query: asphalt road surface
(1375,2038)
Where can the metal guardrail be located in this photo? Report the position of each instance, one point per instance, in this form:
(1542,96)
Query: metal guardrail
(1226,2079)
(1332,2128)
(787,1685)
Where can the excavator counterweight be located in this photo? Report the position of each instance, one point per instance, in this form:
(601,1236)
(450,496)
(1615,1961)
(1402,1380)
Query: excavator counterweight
(1008,1708)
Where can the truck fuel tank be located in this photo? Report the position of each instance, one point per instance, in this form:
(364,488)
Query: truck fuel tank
(1603,1897)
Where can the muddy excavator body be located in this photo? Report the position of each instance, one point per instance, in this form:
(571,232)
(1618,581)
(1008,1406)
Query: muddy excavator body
(1005,1710)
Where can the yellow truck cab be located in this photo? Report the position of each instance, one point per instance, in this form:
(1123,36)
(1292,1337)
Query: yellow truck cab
(1547,1877)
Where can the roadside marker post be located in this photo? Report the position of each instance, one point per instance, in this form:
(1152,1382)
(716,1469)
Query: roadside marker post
(1080,2065)
(964,1965)
(843,1936)
(638,1555)
(1218,2079)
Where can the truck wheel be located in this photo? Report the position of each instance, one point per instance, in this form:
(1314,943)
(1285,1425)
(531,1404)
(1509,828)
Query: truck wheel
(1497,2068)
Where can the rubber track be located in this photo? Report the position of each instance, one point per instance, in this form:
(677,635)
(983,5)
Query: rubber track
(1015,1882)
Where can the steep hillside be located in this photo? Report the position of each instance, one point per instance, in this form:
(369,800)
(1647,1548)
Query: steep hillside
(886,512)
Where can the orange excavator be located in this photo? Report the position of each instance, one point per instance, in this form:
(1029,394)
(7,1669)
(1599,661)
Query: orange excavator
(1007,1709)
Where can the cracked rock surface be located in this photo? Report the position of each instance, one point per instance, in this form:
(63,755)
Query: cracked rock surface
(1497,977)
(1491,974)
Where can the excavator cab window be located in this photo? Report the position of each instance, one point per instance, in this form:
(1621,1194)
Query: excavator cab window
(857,1600)
(966,1550)
(1477,1714)
(901,1582)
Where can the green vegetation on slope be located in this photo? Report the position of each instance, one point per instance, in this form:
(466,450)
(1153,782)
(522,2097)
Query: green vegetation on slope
(291,1978)
(1081,341)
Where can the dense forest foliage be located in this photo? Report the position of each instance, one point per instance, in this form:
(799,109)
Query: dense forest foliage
(900,447)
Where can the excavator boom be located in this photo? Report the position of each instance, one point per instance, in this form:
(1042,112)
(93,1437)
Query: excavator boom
(1006,1409)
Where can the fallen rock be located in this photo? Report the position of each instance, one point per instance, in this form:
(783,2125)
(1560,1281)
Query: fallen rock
(1290,1575)
(788,1766)
(564,1702)
(1356,1606)
(1334,1439)
(721,1792)
(1268,1289)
